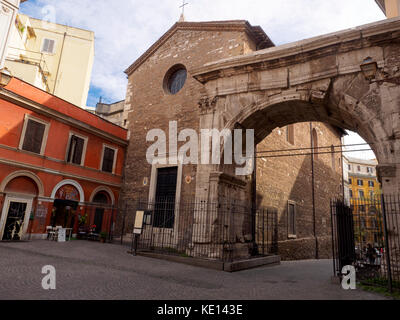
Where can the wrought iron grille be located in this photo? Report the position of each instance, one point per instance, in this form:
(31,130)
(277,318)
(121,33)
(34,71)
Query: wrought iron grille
(225,230)
(366,235)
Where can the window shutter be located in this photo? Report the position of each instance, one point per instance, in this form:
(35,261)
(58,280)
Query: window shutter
(108,160)
(45,45)
(34,136)
(71,149)
(48,46)
(51,46)
(78,152)
(75,151)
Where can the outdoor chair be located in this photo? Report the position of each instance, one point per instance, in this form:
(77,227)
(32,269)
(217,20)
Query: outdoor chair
(50,232)
(55,235)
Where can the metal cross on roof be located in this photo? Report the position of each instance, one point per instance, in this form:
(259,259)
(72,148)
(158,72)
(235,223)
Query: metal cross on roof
(183,6)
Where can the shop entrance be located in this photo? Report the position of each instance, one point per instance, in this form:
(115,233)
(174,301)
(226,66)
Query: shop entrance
(64,213)
(102,199)
(15,218)
(65,205)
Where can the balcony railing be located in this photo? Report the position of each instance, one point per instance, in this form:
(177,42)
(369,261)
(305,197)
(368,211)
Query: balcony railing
(33,58)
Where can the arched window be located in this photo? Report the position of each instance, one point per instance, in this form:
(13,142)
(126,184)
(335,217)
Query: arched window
(290,133)
(333,158)
(314,143)
(101,197)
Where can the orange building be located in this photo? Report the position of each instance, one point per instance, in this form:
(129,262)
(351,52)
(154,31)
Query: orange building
(59,164)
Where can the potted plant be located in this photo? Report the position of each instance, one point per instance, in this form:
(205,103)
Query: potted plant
(103,236)
(82,219)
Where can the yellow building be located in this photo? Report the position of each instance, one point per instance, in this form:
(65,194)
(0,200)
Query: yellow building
(391,8)
(364,191)
(53,57)
(368,225)
(362,178)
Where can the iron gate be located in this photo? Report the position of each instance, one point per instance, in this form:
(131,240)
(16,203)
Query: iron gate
(365,234)
(184,228)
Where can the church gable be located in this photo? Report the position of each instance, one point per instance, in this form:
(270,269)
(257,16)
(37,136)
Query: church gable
(253,38)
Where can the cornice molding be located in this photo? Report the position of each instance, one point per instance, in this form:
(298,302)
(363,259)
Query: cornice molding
(339,42)
(38,108)
(59,173)
(2,146)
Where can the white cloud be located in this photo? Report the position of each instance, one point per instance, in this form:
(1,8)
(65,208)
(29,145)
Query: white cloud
(124,29)
(352,139)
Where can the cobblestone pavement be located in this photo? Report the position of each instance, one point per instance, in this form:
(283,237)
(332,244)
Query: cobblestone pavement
(91,270)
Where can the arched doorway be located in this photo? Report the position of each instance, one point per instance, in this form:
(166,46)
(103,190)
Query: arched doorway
(66,202)
(21,190)
(101,201)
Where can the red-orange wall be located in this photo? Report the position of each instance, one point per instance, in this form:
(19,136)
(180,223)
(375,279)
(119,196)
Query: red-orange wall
(12,117)
(51,168)
(11,124)
(39,96)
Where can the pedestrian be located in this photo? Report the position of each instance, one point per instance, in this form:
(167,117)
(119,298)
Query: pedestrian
(371,254)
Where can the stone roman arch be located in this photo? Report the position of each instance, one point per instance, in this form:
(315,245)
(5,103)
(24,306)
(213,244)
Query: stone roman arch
(321,79)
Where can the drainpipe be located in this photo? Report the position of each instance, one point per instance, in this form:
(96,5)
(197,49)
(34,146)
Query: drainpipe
(313,190)
(59,63)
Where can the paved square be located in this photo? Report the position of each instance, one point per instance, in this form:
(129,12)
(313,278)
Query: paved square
(91,270)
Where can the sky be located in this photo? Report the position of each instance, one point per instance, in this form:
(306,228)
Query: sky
(125,29)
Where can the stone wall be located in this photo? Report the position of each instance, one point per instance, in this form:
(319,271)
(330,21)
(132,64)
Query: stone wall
(151,107)
(284,179)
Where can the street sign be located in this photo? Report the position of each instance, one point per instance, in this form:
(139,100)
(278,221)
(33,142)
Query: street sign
(61,235)
(138,228)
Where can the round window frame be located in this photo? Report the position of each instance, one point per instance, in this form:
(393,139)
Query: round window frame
(169,74)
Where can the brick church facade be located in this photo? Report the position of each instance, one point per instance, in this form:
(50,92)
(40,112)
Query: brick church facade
(299,186)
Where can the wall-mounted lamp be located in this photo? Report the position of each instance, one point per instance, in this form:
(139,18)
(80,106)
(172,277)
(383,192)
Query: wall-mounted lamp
(369,67)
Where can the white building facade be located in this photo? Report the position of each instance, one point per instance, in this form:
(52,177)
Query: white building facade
(8,13)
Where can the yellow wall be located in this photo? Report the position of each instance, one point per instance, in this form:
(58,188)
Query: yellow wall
(364,170)
(354,187)
(30,73)
(392,8)
(68,69)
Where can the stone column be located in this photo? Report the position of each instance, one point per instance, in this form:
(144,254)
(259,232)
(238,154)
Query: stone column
(388,176)
(219,224)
